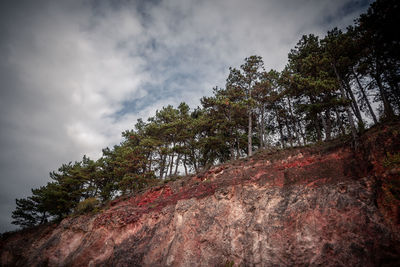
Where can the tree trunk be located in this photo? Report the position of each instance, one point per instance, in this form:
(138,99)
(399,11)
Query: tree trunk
(298,141)
(303,135)
(318,128)
(43,218)
(326,122)
(171,164)
(237,146)
(292,120)
(262,127)
(391,77)
(184,165)
(348,111)
(232,151)
(386,105)
(194,161)
(178,157)
(163,158)
(289,132)
(339,121)
(280,130)
(354,101)
(249,139)
(150,161)
(371,111)
(232,139)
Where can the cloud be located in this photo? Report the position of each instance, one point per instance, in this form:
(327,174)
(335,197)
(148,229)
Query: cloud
(76,74)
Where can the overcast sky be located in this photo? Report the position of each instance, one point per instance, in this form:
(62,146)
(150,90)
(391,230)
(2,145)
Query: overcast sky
(75,74)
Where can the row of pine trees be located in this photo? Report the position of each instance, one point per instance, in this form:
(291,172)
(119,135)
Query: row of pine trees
(330,87)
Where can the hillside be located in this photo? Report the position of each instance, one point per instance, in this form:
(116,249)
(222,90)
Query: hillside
(325,204)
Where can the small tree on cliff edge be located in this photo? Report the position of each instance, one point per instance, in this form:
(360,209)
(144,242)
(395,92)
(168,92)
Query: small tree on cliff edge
(252,71)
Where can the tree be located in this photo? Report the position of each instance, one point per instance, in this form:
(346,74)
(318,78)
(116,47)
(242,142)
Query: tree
(381,45)
(252,69)
(27,213)
(324,90)
(313,86)
(335,56)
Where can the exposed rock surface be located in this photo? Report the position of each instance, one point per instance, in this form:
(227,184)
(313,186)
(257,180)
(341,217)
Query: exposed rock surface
(325,205)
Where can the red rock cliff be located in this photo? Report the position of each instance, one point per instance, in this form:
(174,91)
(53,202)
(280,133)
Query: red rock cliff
(325,205)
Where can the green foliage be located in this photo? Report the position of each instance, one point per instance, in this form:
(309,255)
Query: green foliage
(26,214)
(87,205)
(172,178)
(392,160)
(324,90)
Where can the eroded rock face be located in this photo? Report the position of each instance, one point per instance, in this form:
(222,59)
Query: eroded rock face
(295,208)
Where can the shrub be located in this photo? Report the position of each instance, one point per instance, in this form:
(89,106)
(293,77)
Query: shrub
(392,160)
(87,205)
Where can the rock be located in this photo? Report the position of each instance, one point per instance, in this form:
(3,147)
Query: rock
(308,208)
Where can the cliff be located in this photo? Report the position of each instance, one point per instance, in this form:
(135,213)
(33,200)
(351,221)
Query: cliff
(322,205)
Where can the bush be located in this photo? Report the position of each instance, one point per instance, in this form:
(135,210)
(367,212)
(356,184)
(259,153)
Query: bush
(87,205)
(392,160)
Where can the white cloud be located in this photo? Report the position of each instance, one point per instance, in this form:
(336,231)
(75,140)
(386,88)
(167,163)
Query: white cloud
(70,68)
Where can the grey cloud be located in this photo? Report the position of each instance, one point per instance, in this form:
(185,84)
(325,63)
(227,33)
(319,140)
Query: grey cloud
(74,74)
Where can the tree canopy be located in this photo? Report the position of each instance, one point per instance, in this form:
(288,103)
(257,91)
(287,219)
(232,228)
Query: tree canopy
(331,86)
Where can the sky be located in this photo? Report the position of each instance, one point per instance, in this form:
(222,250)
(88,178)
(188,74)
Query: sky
(75,74)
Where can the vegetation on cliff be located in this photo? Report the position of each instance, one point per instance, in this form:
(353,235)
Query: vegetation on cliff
(330,87)
(324,204)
